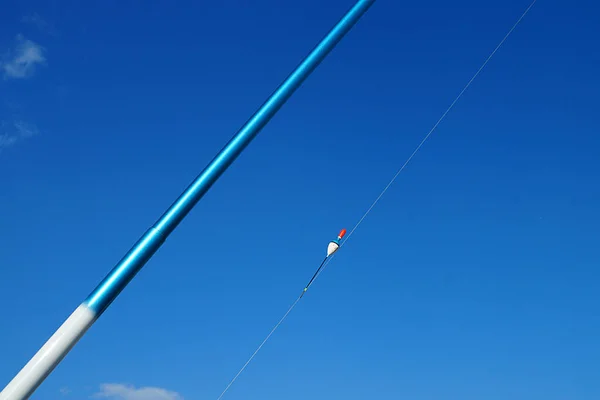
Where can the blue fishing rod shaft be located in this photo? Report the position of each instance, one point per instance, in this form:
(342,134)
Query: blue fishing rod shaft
(150,242)
(63,340)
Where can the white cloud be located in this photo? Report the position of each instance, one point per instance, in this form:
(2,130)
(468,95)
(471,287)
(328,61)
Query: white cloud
(25,129)
(36,20)
(25,58)
(7,140)
(65,391)
(11,133)
(119,391)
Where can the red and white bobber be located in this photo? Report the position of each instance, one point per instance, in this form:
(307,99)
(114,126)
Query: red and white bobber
(334,245)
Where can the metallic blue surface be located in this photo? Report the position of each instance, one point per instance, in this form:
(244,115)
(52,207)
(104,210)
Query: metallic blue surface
(124,271)
(136,258)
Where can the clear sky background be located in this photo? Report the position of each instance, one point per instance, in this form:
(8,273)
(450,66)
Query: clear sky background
(475,277)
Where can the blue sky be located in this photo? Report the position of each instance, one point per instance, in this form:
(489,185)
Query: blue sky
(475,277)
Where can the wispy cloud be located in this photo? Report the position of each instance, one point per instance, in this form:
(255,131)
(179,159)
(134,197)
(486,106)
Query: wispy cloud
(65,391)
(15,131)
(119,391)
(40,23)
(25,129)
(21,62)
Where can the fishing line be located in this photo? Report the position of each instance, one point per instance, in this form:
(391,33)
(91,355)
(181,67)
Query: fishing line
(275,327)
(438,121)
(327,259)
(314,276)
(261,345)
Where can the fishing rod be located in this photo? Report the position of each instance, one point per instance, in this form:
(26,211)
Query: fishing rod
(68,334)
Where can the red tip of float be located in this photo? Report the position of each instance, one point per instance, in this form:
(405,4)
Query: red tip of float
(342,233)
